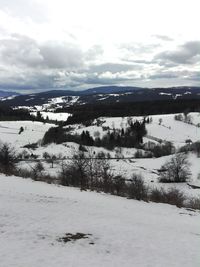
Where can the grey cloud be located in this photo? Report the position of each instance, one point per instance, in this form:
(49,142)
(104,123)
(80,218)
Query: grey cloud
(26,80)
(57,55)
(93,78)
(189,53)
(98,80)
(163,37)
(114,67)
(138,62)
(27,65)
(23,51)
(163,75)
(20,50)
(195,76)
(183,75)
(94,52)
(139,48)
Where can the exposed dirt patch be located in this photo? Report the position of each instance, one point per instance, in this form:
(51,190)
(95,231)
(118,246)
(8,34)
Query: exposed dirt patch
(73,237)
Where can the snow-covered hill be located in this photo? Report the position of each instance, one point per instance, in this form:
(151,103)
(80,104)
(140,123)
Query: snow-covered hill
(119,232)
(53,116)
(33,132)
(168,130)
(105,94)
(163,127)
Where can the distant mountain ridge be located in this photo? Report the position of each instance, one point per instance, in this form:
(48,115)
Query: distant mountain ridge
(8,93)
(104,95)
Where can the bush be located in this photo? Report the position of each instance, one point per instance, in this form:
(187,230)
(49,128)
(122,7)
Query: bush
(172,196)
(82,148)
(137,188)
(194,147)
(119,185)
(8,159)
(47,178)
(162,150)
(32,146)
(193,203)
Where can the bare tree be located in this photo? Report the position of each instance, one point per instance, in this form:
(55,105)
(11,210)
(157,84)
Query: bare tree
(52,158)
(64,174)
(176,169)
(105,172)
(80,163)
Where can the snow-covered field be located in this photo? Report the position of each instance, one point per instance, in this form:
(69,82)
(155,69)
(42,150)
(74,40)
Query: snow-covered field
(168,129)
(53,116)
(33,132)
(121,232)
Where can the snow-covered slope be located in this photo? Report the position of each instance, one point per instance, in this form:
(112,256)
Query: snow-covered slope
(53,116)
(163,127)
(33,131)
(121,232)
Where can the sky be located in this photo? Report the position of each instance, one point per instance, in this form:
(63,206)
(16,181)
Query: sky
(77,44)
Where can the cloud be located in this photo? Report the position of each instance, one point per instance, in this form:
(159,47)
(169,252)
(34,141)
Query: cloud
(139,48)
(114,67)
(163,75)
(188,53)
(94,52)
(61,55)
(35,10)
(87,78)
(140,61)
(163,37)
(15,79)
(22,51)
(194,76)
(184,75)
(26,64)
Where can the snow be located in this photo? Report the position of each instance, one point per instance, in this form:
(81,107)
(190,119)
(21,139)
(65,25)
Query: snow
(51,104)
(7,98)
(169,129)
(33,131)
(63,99)
(177,95)
(53,116)
(165,93)
(174,131)
(123,232)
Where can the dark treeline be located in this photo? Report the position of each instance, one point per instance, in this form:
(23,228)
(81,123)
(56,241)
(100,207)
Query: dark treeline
(132,136)
(87,112)
(8,114)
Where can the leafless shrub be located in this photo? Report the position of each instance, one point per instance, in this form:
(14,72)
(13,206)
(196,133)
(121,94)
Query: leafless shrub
(193,203)
(171,196)
(137,188)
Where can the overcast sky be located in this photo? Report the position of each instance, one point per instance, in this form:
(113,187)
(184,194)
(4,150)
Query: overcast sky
(75,44)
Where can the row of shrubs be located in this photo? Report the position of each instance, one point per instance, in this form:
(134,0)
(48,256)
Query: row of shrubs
(104,181)
(94,173)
